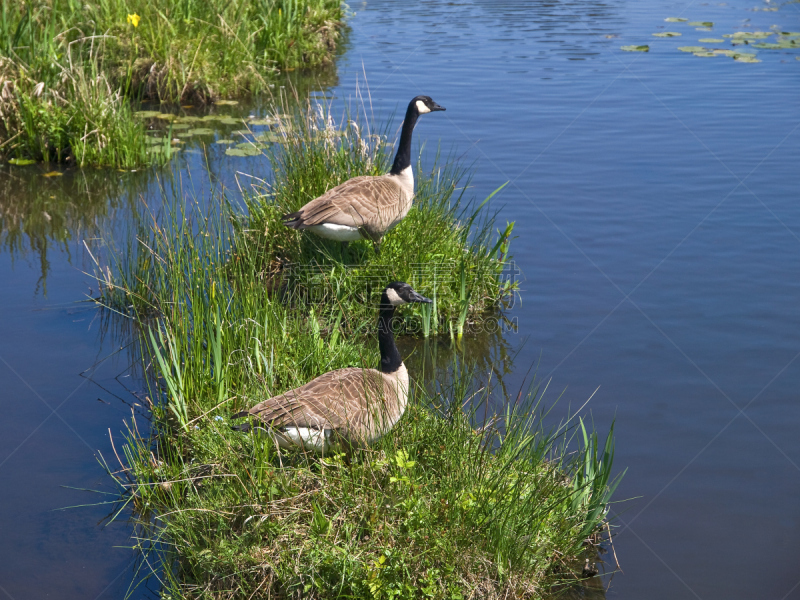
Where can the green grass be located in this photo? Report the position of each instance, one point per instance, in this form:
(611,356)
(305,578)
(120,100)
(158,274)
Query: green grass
(69,69)
(451,501)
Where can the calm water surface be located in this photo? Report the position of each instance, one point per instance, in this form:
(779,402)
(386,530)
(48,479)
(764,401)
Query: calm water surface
(658,221)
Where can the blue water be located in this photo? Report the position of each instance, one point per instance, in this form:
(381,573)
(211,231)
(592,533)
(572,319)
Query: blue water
(656,199)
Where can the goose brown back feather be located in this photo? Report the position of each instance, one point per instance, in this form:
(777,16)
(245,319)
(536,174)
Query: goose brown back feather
(358,404)
(372,203)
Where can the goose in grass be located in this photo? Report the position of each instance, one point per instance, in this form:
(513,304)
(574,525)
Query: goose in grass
(365,208)
(347,407)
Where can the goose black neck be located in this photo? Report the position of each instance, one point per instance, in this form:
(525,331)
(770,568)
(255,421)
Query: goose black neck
(402,159)
(390,356)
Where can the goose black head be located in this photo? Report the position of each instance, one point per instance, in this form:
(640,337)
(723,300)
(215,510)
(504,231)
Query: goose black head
(398,293)
(424,104)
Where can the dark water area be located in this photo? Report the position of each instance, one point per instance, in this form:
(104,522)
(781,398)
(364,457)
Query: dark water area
(658,252)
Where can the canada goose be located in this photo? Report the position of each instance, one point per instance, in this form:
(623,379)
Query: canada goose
(346,407)
(366,207)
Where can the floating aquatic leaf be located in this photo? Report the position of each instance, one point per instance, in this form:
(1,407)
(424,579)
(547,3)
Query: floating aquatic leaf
(644,48)
(21,162)
(790,33)
(264,121)
(242,151)
(166,116)
(675,19)
(711,40)
(268,136)
(701,23)
(667,34)
(767,46)
(226,102)
(146,114)
(692,49)
(242,132)
(53,174)
(154,140)
(211,118)
(747,58)
(704,54)
(184,134)
(179,126)
(230,121)
(188,119)
(225,142)
(202,131)
(753,35)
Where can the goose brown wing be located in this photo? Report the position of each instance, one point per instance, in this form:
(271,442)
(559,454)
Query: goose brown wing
(357,202)
(337,400)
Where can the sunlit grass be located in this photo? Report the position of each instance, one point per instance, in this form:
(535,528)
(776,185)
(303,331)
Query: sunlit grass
(453,500)
(69,69)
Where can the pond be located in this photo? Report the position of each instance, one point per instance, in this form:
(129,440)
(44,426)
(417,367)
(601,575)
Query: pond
(658,253)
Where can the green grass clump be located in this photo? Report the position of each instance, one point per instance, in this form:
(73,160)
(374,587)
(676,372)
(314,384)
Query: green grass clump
(450,502)
(447,247)
(69,69)
(437,509)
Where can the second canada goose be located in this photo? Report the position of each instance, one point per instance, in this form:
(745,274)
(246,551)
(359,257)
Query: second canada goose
(366,207)
(346,407)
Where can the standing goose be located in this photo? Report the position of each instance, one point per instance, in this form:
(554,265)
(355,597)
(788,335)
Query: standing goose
(346,407)
(366,207)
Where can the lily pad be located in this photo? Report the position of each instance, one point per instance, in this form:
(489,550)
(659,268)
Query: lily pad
(154,140)
(667,34)
(146,114)
(705,54)
(644,48)
(675,20)
(230,121)
(692,49)
(767,46)
(747,58)
(179,126)
(211,118)
(166,116)
(225,142)
(701,23)
(790,33)
(188,119)
(202,131)
(184,134)
(226,102)
(264,121)
(53,174)
(242,152)
(268,136)
(711,40)
(21,162)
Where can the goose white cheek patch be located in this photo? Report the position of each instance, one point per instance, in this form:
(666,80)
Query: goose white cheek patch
(421,108)
(394,298)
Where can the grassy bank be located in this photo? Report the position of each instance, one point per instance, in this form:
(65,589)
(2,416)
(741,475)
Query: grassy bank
(452,503)
(68,69)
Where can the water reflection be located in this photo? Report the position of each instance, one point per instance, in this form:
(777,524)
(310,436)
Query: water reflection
(40,213)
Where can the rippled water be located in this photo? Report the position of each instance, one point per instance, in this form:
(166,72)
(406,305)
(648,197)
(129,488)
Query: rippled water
(656,205)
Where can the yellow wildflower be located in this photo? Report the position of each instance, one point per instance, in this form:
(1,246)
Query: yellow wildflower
(134,19)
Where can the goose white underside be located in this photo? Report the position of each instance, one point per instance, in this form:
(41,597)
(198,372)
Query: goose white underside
(317,440)
(340,233)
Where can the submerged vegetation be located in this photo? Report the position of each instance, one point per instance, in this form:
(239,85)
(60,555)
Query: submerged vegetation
(69,69)
(454,502)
